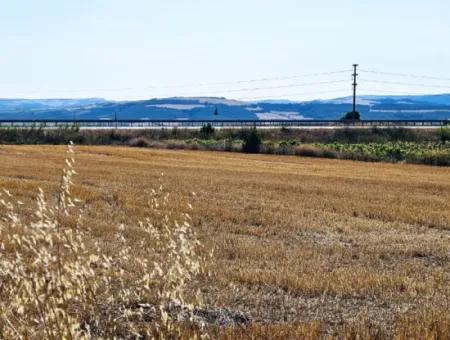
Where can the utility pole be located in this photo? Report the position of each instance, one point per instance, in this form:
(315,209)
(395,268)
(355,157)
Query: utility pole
(354,86)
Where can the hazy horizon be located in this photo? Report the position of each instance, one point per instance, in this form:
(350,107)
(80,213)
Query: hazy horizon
(359,99)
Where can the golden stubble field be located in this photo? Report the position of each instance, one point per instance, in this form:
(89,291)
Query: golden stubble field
(304,247)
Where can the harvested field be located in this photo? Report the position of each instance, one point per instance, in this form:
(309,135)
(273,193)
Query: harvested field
(303,247)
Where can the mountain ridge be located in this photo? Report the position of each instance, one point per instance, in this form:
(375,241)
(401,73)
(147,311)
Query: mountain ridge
(184,108)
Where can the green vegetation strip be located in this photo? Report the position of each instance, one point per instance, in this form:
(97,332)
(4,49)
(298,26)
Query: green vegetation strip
(418,146)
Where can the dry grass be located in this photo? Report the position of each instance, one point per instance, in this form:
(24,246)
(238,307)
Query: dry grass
(304,247)
(59,282)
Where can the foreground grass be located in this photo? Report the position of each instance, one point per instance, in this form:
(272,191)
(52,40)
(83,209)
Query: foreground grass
(304,247)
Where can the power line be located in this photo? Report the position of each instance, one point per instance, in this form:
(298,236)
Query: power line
(403,83)
(246,89)
(153,87)
(393,92)
(267,79)
(293,94)
(406,75)
(306,75)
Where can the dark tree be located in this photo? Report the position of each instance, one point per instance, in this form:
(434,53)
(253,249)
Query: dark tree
(352,116)
(252,141)
(207,130)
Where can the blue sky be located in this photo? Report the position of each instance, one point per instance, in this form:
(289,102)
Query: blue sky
(140,49)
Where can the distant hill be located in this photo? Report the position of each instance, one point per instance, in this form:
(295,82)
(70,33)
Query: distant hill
(14,105)
(180,108)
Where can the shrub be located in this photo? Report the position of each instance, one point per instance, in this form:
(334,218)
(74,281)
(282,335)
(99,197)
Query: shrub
(400,134)
(268,147)
(207,130)
(438,159)
(252,141)
(444,134)
(174,144)
(308,151)
(228,144)
(140,142)
(41,135)
(314,151)
(284,130)
(284,148)
(327,153)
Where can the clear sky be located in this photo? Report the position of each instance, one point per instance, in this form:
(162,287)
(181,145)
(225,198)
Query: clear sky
(142,48)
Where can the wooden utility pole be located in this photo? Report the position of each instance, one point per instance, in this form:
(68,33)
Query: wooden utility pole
(354,86)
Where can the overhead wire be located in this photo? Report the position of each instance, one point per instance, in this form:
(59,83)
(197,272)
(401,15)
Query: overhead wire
(292,94)
(305,75)
(403,83)
(247,89)
(391,92)
(406,75)
(194,86)
(153,87)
